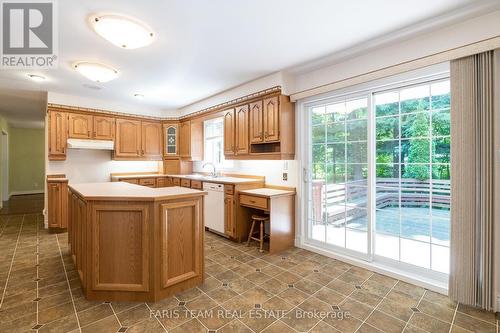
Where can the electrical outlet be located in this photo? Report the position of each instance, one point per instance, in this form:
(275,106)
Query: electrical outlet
(285,176)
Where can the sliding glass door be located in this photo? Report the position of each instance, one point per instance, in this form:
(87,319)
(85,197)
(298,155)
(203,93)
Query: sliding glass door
(340,171)
(380,166)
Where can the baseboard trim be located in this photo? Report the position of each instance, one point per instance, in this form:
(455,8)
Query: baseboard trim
(26,192)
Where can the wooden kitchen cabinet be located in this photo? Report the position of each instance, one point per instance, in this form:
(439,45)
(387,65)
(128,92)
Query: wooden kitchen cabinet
(241,136)
(263,129)
(128,138)
(271,119)
(191,140)
(104,128)
(58,135)
(229,132)
(171,144)
(264,120)
(152,147)
(80,126)
(229,218)
(57,198)
(83,126)
(138,140)
(256,123)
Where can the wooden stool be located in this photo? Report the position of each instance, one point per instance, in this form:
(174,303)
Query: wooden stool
(262,220)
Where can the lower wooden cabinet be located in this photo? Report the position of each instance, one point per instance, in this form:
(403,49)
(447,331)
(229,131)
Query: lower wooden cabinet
(57,189)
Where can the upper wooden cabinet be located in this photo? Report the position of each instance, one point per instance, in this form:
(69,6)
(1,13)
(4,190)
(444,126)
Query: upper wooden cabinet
(191,140)
(128,138)
(241,136)
(138,140)
(229,132)
(152,147)
(58,135)
(263,129)
(82,126)
(256,122)
(104,128)
(271,119)
(171,143)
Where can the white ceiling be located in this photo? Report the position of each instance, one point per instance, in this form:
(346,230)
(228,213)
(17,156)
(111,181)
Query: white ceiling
(205,47)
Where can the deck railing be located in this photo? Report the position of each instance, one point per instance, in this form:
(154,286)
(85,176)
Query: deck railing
(329,200)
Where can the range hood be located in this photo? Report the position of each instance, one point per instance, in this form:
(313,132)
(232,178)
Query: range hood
(91,144)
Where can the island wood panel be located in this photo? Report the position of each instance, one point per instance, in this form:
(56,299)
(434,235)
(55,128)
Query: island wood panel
(80,126)
(128,138)
(58,135)
(181,244)
(241,136)
(256,122)
(152,147)
(104,128)
(121,232)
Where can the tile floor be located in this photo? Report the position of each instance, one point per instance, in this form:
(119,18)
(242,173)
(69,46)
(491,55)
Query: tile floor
(244,291)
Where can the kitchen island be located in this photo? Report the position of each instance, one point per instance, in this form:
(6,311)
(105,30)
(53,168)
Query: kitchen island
(135,243)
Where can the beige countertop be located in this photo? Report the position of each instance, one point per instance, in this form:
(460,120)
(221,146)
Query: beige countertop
(220,179)
(208,179)
(131,192)
(130,176)
(267,192)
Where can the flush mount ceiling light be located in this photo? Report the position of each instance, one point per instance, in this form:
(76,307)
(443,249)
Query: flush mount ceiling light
(37,78)
(95,71)
(122,31)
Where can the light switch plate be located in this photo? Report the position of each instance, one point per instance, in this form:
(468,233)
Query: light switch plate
(285,176)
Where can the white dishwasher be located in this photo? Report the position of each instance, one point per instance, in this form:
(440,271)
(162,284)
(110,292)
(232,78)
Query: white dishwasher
(213,213)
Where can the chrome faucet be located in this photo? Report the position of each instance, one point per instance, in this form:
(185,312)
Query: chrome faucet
(214,173)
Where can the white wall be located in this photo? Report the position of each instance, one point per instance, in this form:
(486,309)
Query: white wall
(87,166)
(108,105)
(272,170)
(266,82)
(364,61)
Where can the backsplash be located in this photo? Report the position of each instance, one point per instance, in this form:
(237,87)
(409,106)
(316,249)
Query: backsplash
(88,166)
(272,170)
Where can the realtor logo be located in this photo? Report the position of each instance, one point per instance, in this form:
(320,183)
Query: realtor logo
(28,34)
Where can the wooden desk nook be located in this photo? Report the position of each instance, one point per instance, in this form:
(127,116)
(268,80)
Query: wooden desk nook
(280,204)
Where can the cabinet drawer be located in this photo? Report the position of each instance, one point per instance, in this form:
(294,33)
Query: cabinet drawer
(196,184)
(176,181)
(229,189)
(185,183)
(161,182)
(151,182)
(257,202)
(130,180)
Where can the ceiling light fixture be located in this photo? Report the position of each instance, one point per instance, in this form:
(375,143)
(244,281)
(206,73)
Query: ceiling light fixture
(122,31)
(37,78)
(95,71)
(139,96)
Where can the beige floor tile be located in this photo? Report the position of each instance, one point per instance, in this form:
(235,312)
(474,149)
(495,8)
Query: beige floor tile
(385,323)
(430,324)
(473,324)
